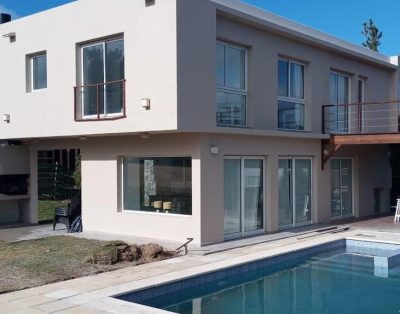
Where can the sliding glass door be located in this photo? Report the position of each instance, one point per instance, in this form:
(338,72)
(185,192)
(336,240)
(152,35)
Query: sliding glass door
(294,176)
(243,197)
(341,187)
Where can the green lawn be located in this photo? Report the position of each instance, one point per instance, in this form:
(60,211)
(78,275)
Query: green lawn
(33,263)
(46,209)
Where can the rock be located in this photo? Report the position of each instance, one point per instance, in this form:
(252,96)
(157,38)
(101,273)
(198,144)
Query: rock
(105,255)
(135,251)
(151,251)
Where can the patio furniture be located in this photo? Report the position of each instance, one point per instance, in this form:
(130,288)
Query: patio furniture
(67,215)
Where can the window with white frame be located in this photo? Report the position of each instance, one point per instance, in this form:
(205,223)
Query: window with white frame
(339,85)
(103,74)
(38,71)
(231,85)
(291,102)
(157,184)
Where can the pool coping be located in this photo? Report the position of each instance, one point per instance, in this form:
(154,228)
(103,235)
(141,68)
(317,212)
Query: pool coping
(98,293)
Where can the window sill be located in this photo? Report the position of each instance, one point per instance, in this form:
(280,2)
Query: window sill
(293,130)
(234,126)
(101,118)
(125,211)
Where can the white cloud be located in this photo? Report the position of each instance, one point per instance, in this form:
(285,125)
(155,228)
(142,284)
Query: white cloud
(3,9)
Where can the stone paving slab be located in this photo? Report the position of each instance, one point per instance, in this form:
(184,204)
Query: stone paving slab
(94,294)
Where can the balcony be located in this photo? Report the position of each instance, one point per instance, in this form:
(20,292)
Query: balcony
(98,102)
(362,123)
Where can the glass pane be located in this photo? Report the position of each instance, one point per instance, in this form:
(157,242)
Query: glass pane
(346,173)
(302,181)
(158,185)
(235,68)
(232,196)
(93,73)
(283,81)
(39,68)
(285,192)
(343,89)
(231,109)
(253,195)
(333,88)
(115,71)
(220,65)
(290,115)
(336,198)
(296,81)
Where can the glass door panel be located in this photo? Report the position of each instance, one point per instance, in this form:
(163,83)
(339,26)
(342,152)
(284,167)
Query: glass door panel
(253,195)
(302,183)
(285,192)
(341,187)
(295,197)
(115,71)
(336,194)
(347,187)
(232,183)
(93,73)
(243,196)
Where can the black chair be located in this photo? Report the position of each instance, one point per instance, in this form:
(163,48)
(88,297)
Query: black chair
(67,215)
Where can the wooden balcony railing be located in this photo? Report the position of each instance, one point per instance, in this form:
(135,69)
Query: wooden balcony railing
(361,118)
(97,102)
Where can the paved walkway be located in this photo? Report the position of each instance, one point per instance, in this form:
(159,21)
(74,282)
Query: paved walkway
(94,294)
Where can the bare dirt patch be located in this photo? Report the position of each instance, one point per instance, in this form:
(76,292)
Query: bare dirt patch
(34,263)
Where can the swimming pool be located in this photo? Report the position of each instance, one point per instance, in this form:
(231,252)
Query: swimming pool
(338,277)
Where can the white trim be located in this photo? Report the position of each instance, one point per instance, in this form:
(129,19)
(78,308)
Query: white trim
(295,224)
(341,216)
(235,91)
(31,58)
(242,232)
(301,32)
(121,194)
(103,44)
(301,101)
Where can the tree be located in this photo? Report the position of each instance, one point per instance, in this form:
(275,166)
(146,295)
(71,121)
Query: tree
(372,34)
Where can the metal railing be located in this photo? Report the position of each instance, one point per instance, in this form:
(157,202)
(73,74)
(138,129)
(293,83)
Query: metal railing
(103,101)
(361,118)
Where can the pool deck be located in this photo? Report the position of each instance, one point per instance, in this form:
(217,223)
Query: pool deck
(94,294)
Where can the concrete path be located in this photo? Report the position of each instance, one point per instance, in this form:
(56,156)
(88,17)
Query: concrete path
(94,294)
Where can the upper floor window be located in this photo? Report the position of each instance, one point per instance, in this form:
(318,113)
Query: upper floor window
(103,79)
(291,100)
(340,97)
(231,85)
(38,71)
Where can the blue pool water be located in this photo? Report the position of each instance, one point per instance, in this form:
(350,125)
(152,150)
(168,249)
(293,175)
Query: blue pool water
(336,280)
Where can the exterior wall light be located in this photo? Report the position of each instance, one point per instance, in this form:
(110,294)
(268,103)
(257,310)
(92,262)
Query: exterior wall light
(6,118)
(144,135)
(214,150)
(145,103)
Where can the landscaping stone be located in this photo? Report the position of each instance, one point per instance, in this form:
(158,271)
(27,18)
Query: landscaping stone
(151,251)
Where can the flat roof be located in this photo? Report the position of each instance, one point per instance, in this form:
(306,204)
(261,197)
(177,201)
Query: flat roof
(293,29)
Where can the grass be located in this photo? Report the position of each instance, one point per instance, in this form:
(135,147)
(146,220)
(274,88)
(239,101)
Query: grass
(33,263)
(46,209)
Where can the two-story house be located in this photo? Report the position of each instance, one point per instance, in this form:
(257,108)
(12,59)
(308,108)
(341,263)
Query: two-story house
(209,119)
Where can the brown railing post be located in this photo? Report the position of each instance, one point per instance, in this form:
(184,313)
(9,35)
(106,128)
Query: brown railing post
(75,104)
(123,97)
(97,100)
(323,120)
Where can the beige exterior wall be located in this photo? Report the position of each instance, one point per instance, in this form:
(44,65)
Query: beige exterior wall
(150,67)
(170,58)
(102,183)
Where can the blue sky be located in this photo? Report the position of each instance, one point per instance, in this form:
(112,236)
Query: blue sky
(342,18)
